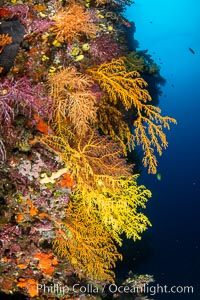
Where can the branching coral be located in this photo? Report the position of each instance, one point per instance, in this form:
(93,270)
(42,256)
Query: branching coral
(86,244)
(65,179)
(5,39)
(72,22)
(117,209)
(103,198)
(120,85)
(110,121)
(92,160)
(97,165)
(128,88)
(73,101)
(143,63)
(150,134)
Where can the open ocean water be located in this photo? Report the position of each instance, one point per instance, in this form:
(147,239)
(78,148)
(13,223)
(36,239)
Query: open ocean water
(169,29)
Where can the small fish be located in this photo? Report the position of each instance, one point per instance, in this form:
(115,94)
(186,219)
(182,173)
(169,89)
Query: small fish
(125,23)
(159,176)
(191,50)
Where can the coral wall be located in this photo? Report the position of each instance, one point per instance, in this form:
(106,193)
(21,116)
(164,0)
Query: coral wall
(67,192)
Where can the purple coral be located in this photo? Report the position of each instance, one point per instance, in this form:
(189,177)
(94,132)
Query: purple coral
(31,170)
(39,26)
(97,92)
(19,10)
(2,150)
(7,234)
(20,96)
(103,49)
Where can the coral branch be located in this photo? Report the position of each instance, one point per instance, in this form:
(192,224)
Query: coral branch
(5,39)
(128,88)
(73,100)
(85,243)
(71,23)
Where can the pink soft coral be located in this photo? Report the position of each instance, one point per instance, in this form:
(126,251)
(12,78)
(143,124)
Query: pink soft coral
(104,49)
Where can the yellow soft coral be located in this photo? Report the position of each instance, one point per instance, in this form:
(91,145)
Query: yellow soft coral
(118,209)
(149,133)
(110,121)
(128,88)
(84,242)
(91,159)
(103,200)
(107,201)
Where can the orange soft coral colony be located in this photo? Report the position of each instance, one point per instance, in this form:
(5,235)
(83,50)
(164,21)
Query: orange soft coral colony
(71,23)
(74,103)
(47,263)
(128,88)
(42,126)
(5,39)
(67,181)
(30,284)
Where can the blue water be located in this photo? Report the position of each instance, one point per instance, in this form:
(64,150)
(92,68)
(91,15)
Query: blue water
(168,28)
